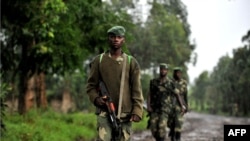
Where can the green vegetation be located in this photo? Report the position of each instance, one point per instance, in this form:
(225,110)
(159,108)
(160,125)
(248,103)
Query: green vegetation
(52,126)
(225,90)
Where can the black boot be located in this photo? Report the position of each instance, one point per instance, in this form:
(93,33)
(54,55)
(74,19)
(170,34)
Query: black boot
(171,134)
(160,139)
(172,138)
(178,136)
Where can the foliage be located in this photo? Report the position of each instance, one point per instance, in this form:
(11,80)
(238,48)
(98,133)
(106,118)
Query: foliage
(164,37)
(226,89)
(142,125)
(4,89)
(75,82)
(145,78)
(36,126)
(49,126)
(54,37)
(57,37)
(200,89)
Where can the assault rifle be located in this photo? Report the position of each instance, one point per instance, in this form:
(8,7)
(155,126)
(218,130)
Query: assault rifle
(178,97)
(181,102)
(116,128)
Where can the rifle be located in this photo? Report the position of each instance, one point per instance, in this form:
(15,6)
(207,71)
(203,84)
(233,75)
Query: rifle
(178,97)
(181,101)
(116,128)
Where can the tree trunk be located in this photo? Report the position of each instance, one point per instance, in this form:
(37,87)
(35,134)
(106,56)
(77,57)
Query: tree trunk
(26,92)
(66,101)
(41,91)
(30,95)
(23,88)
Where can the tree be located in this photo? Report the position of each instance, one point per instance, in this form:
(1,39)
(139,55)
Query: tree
(199,91)
(50,37)
(164,37)
(227,87)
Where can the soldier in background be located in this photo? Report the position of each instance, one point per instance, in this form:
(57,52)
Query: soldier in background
(158,103)
(175,120)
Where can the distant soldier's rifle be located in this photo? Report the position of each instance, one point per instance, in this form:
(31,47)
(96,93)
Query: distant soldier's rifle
(181,101)
(179,98)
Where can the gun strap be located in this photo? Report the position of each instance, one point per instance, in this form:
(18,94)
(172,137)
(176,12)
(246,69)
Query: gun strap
(122,86)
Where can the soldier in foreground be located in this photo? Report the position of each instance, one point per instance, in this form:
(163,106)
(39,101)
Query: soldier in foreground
(120,101)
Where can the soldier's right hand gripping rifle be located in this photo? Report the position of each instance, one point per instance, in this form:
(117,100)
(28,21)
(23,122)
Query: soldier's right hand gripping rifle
(116,129)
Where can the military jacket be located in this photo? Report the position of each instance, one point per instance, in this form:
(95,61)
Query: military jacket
(161,94)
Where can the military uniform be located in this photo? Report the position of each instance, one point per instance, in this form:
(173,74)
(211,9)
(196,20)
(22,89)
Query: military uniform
(175,120)
(161,92)
(109,70)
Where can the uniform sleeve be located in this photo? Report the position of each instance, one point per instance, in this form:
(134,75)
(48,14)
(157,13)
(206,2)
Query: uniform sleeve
(93,80)
(137,96)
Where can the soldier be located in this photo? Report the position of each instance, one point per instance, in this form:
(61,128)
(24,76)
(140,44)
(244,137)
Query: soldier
(158,103)
(128,102)
(175,120)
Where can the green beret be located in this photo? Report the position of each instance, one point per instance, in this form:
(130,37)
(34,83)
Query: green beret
(163,66)
(177,69)
(117,30)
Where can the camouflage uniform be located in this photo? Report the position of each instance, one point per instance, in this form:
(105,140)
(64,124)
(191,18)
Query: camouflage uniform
(175,120)
(105,130)
(160,95)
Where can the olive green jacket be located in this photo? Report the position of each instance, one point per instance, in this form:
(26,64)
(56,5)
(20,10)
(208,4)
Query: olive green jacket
(110,71)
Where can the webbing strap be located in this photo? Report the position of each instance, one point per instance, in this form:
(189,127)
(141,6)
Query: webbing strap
(101,57)
(129,59)
(121,87)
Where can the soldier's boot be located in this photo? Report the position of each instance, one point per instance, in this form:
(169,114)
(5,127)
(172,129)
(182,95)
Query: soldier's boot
(178,136)
(160,139)
(172,138)
(171,134)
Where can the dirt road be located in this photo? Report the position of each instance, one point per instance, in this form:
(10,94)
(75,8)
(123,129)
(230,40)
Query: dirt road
(199,127)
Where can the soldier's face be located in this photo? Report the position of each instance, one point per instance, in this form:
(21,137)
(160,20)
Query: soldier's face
(178,74)
(115,41)
(163,72)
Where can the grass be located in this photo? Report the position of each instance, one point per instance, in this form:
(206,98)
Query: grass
(49,126)
(52,126)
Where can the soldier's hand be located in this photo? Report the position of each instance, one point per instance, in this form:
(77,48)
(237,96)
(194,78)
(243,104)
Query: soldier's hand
(135,118)
(99,101)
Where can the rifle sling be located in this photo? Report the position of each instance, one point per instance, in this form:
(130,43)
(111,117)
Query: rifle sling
(122,86)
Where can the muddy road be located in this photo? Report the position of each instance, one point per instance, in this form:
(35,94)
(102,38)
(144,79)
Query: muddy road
(199,127)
